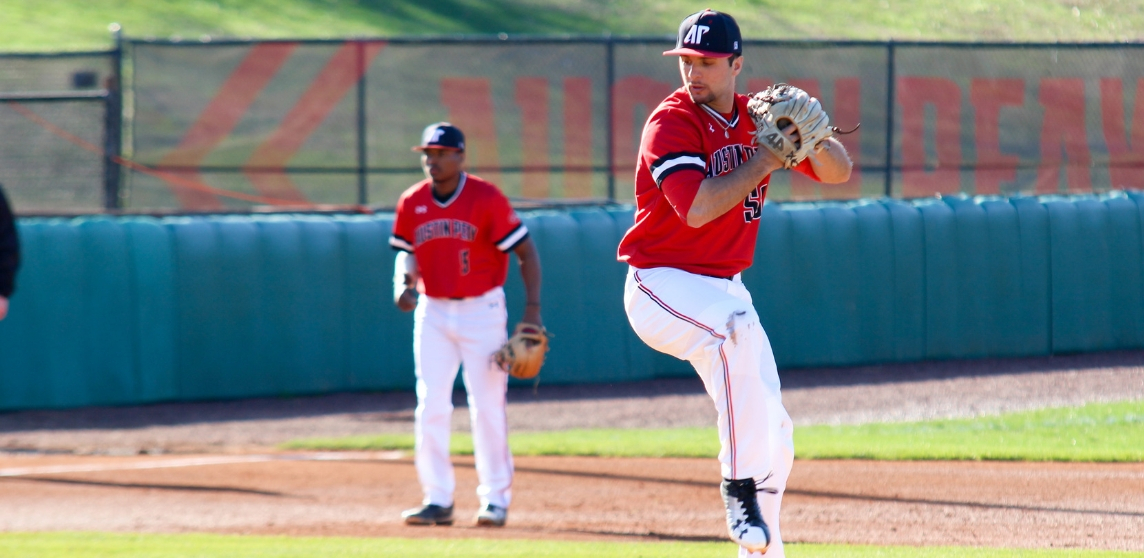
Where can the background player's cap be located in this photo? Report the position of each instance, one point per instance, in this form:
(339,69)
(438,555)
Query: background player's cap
(709,34)
(441,135)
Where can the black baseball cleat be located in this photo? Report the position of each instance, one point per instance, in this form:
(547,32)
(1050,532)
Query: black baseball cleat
(429,514)
(744,520)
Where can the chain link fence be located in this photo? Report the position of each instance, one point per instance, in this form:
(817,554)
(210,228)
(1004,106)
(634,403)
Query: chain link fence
(241,125)
(50,106)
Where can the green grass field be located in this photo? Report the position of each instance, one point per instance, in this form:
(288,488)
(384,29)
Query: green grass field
(50,25)
(103,545)
(1094,432)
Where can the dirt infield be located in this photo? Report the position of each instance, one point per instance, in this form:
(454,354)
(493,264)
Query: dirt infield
(211,467)
(911,503)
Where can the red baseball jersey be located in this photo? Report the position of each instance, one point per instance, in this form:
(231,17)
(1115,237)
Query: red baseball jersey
(682,144)
(461,243)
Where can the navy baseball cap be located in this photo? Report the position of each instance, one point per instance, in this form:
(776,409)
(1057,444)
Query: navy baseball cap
(441,135)
(709,34)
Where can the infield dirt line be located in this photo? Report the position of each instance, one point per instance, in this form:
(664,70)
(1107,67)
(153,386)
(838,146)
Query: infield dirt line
(362,494)
(200,462)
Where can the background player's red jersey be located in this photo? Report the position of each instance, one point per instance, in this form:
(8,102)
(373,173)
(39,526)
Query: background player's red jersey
(461,243)
(683,143)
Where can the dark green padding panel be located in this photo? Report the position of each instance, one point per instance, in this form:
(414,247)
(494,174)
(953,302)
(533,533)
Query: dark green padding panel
(379,338)
(139,309)
(1126,242)
(1096,269)
(907,251)
(105,307)
(153,280)
(977,299)
(1035,326)
(840,284)
(26,333)
(822,282)
(67,340)
(214,292)
(556,235)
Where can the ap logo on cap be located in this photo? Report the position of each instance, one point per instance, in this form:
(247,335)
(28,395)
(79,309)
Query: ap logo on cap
(695,35)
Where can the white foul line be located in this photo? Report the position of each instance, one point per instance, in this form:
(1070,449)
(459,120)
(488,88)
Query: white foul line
(200,461)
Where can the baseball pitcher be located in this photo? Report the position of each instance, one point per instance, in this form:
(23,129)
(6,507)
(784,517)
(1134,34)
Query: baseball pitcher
(705,160)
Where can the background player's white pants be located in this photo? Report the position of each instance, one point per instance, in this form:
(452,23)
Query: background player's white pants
(712,324)
(447,333)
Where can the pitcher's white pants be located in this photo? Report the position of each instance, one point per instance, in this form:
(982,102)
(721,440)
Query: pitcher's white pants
(712,324)
(446,334)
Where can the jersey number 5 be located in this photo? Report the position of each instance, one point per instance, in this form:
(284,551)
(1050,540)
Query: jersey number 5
(464,262)
(753,204)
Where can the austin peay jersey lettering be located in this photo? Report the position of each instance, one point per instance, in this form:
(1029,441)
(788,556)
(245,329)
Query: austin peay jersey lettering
(727,158)
(682,144)
(462,243)
(444,228)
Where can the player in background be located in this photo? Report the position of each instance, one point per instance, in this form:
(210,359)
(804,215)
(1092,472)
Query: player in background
(454,232)
(9,253)
(700,184)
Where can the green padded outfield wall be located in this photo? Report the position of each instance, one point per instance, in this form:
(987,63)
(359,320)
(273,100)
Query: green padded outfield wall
(136,309)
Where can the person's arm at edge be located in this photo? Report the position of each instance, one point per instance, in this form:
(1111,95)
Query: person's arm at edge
(719,194)
(9,254)
(404,284)
(530,272)
(831,162)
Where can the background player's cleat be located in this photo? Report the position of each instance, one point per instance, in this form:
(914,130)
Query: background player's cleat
(492,516)
(429,514)
(744,520)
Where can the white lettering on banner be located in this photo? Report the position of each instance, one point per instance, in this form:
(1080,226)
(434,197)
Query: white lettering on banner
(695,35)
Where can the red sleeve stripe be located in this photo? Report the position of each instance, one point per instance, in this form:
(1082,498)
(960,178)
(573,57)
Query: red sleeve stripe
(672,162)
(398,243)
(513,238)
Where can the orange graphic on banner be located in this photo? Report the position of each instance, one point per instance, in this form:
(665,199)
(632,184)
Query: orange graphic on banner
(914,94)
(1063,129)
(532,98)
(627,94)
(345,68)
(846,115)
(220,116)
(577,137)
(179,181)
(470,105)
(988,97)
(1125,158)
